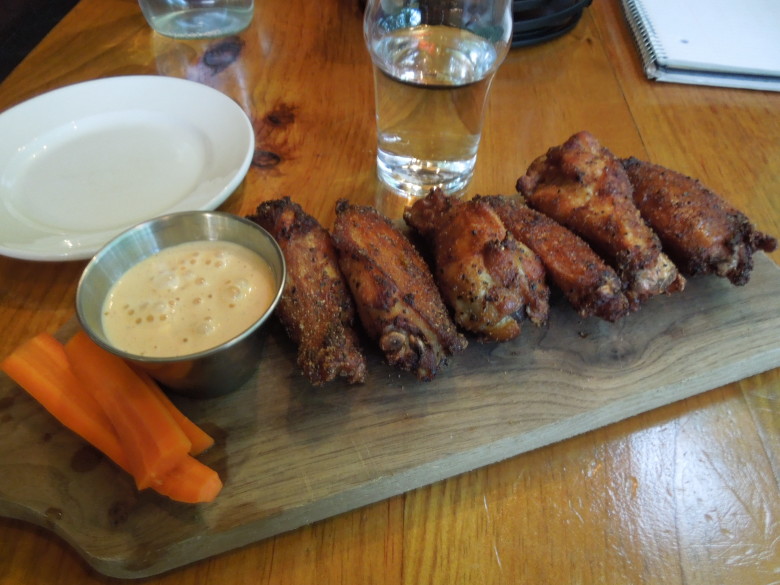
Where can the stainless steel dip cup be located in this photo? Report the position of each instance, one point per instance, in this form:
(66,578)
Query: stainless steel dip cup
(213,372)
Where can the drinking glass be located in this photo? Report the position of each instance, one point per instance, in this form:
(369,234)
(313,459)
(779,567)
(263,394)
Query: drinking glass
(434,62)
(197,19)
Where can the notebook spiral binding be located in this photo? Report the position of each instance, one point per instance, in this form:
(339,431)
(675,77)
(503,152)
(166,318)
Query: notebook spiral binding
(650,49)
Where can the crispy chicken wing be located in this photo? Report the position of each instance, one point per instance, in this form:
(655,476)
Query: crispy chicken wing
(396,297)
(582,185)
(591,286)
(699,231)
(316,308)
(489,279)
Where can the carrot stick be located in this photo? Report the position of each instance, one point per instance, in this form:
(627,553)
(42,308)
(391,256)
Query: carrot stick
(191,482)
(153,442)
(198,437)
(40,366)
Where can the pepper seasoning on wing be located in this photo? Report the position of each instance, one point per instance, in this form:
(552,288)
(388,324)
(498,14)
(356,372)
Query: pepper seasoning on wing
(583,186)
(489,279)
(591,286)
(699,230)
(394,291)
(316,308)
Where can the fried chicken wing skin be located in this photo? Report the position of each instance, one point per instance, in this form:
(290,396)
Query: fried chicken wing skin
(699,230)
(316,308)
(589,284)
(583,186)
(394,291)
(489,279)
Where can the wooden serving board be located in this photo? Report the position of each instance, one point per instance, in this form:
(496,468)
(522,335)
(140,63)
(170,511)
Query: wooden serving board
(291,454)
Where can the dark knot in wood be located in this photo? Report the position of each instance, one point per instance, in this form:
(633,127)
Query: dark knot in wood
(265,159)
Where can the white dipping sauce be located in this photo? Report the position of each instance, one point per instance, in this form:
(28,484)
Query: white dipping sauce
(187,298)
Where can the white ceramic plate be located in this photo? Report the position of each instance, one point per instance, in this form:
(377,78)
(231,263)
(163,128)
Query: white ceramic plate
(82,163)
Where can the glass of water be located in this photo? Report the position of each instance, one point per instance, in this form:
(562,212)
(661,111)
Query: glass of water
(197,19)
(434,61)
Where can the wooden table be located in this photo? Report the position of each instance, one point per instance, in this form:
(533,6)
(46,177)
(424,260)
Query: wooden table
(687,493)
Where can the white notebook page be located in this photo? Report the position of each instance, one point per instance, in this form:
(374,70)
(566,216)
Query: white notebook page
(740,36)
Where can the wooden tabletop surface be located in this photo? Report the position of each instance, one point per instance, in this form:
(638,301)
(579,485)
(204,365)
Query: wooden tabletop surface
(685,494)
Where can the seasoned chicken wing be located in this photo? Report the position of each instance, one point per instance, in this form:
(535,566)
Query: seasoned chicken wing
(582,185)
(316,308)
(489,279)
(699,231)
(396,297)
(591,286)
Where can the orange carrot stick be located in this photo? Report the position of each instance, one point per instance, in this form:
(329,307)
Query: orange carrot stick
(153,442)
(191,482)
(199,438)
(40,366)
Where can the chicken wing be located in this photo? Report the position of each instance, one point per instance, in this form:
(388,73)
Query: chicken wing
(489,279)
(316,308)
(699,231)
(590,285)
(396,297)
(582,185)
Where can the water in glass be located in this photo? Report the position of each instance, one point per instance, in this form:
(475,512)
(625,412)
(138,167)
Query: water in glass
(431,85)
(193,19)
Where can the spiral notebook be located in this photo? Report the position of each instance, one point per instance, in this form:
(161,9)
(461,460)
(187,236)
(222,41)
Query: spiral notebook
(726,43)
